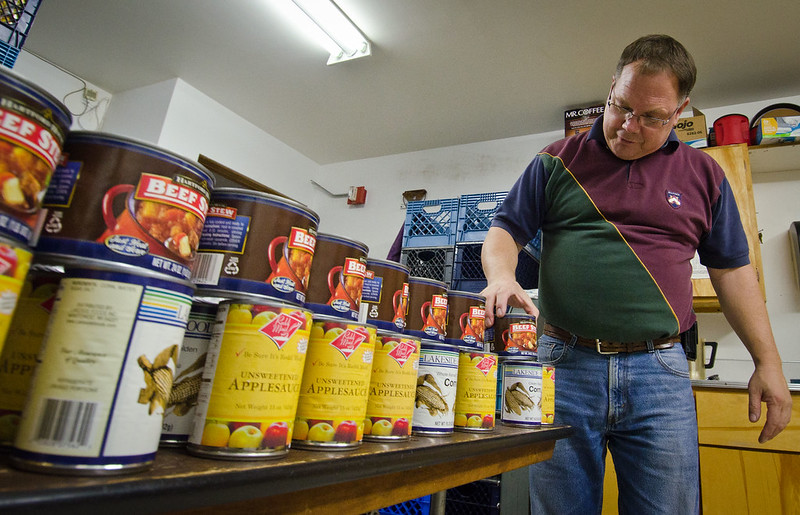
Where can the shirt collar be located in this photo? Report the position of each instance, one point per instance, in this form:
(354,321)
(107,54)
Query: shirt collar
(596,133)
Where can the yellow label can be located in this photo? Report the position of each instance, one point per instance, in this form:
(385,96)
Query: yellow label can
(15,260)
(251,381)
(476,391)
(392,387)
(335,388)
(548,394)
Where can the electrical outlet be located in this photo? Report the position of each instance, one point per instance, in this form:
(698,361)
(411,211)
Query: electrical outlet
(90,94)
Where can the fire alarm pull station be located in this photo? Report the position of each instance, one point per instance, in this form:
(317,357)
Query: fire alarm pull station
(357,195)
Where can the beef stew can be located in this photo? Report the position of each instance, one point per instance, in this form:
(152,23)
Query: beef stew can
(466,312)
(108,356)
(384,294)
(251,380)
(258,244)
(513,335)
(427,308)
(125,201)
(33,127)
(337,276)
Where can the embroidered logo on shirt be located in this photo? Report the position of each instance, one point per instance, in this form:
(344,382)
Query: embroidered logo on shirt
(674,199)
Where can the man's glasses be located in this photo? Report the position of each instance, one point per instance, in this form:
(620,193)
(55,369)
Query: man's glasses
(651,122)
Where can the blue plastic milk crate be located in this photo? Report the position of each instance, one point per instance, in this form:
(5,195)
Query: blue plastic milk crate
(419,506)
(467,268)
(430,223)
(475,213)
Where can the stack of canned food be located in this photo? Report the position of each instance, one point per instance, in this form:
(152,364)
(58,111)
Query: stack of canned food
(155,310)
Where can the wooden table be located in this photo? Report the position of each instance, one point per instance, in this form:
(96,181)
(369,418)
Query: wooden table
(356,481)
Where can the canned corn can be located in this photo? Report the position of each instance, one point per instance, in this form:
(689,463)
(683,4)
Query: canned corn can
(522,393)
(437,379)
(466,312)
(476,392)
(179,418)
(335,388)
(258,244)
(514,335)
(392,387)
(33,126)
(337,276)
(108,356)
(384,294)
(23,341)
(251,380)
(548,394)
(15,260)
(427,308)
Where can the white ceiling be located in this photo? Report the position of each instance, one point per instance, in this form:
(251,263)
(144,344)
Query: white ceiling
(442,72)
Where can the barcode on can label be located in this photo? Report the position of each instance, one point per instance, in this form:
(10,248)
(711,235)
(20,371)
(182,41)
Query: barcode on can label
(65,423)
(207,267)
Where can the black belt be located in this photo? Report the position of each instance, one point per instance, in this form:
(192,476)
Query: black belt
(608,347)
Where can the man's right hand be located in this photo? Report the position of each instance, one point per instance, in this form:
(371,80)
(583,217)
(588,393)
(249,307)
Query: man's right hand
(502,294)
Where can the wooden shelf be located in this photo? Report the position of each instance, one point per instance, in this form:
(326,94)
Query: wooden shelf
(774,158)
(355,481)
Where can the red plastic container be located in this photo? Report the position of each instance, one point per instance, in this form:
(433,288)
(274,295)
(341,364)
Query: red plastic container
(731,129)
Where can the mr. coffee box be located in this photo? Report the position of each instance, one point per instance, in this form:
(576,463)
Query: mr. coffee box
(692,129)
(581,119)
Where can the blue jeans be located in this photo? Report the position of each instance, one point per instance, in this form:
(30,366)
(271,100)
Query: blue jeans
(638,405)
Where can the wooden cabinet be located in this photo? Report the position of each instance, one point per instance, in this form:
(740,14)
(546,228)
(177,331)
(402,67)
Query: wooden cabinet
(735,160)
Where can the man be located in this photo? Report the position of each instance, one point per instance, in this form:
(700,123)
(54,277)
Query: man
(622,209)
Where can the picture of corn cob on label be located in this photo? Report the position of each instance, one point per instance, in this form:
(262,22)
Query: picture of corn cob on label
(522,393)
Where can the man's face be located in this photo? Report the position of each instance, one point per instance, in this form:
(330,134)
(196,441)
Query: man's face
(654,96)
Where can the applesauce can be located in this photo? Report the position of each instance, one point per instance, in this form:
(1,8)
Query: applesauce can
(548,394)
(108,356)
(513,335)
(336,382)
(427,308)
(392,387)
(476,391)
(251,381)
(23,341)
(437,379)
(33,127)
(521,393)
(337,276)
(466,312)
(384,294)
(179,417)
(124,201)
(255,243)
(15,260)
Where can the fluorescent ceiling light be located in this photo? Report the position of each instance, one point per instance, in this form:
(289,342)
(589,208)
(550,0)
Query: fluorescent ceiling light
(340,36)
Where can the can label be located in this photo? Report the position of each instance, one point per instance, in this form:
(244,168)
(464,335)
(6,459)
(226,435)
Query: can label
(251,380)
(514,335)
(256,243)
(21,351)
(337,277)
(179,417)
(548,394)
(385,295)
(335,388)
(476,393)
(465,320)
(522,394)
(392,387)
(108,358)
(15,261)
(434,408)
(427,309)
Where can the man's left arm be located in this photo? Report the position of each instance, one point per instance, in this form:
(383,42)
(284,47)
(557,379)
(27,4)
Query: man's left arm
(743,304)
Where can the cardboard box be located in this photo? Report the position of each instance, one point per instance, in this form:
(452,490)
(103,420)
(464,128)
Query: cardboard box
(692,129)
(781,129)
(581,119)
